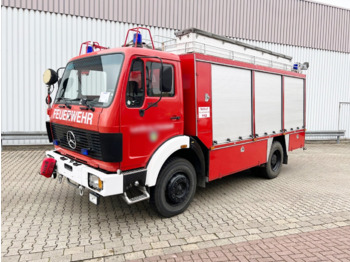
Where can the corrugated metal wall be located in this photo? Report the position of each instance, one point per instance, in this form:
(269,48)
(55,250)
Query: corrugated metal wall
(291,22)
(33,41)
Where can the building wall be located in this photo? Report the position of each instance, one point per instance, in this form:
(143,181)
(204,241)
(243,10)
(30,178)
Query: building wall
(292,22)
(327,84)
(33,41)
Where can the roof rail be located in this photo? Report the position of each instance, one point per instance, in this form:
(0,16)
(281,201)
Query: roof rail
(137,33)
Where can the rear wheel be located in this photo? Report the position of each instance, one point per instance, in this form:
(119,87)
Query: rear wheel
(274,164)
(175,188)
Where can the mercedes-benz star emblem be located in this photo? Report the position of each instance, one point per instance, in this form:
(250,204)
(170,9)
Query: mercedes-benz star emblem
(71,140)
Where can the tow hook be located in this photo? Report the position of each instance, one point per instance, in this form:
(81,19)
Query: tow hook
(79,187)
(81,190)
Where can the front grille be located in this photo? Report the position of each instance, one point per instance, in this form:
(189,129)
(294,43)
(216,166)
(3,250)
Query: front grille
(84,139)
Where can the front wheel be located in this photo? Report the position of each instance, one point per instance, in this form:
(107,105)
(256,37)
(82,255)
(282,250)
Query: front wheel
(175,188)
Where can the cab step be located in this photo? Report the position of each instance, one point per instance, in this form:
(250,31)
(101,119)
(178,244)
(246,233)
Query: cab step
(136,199)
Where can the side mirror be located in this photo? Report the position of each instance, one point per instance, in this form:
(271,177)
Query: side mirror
(167,79)
(50,77)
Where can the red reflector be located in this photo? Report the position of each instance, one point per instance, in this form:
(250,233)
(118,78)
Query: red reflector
(47,167)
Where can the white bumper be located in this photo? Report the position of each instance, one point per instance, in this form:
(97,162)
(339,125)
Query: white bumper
(112,183)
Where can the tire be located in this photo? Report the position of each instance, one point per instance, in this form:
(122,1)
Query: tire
(274,164)
(175,188)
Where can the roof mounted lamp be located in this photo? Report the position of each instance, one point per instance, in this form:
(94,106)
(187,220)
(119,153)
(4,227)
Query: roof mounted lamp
(298,67)
(91,46)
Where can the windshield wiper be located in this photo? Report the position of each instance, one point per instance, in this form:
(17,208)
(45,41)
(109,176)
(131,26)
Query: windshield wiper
(66,100)
(88,107)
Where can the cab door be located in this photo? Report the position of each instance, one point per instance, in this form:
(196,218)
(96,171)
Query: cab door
(149,117)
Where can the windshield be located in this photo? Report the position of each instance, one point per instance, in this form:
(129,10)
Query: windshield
(90,81)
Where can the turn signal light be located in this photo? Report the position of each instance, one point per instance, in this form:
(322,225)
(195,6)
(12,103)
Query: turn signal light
(95,182)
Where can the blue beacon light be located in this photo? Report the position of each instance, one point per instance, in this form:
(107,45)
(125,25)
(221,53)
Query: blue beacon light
(139,39)
(90,49)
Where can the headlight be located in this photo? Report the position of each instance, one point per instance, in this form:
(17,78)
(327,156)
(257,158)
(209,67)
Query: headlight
(95,182)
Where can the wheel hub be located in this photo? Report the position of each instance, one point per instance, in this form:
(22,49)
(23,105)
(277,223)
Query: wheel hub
(177,189)
(275,160)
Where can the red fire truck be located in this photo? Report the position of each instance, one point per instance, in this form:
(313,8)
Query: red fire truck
(154,123)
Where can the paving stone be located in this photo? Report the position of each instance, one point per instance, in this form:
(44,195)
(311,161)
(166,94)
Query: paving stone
(122,250)
(74,250)
(117,258)
(99,259)
(172,250)
(41,260)
(189,247)
(177,242)
(191,240)
(53,253)
(32,256)
(66,258)
(81,256)
(154,252)
(134,255)
(103,253)
(160,244)
(94,247)
(141,247)
(10,258)
(209,237)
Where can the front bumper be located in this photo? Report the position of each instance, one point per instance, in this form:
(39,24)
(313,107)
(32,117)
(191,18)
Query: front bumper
(113,184)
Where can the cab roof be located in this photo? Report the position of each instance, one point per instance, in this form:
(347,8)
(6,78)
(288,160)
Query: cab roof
(131,51)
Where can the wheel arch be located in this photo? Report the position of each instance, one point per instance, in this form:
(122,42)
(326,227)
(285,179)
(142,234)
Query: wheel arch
(172,148)
(161,155)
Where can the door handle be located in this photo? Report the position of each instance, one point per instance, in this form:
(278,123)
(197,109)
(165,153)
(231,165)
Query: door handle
(175,118)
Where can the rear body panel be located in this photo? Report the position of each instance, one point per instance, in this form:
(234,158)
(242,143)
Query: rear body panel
(274,104)
(296,140)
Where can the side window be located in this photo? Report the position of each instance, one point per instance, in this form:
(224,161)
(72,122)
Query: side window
(152,79)
(135,91)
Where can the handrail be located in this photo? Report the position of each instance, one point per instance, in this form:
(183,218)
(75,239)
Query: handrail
(206,49)
(337,133)
(23,135)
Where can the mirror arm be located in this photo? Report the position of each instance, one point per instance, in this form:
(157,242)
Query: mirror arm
(142,111)
(59,78)
(48,99)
